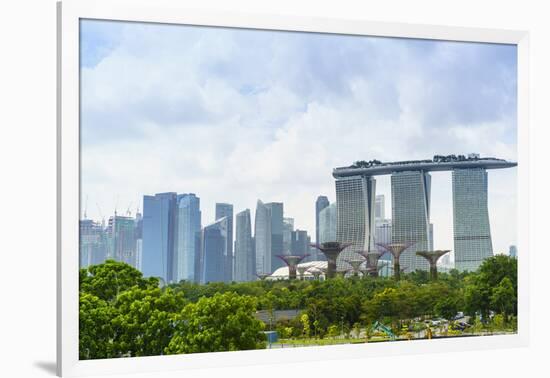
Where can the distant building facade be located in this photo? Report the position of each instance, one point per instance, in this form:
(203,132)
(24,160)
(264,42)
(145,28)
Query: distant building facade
(355,200)
(321,203)
(276,212)
(245,262)
(92,243)
(213,252)
(188,227)
(513,251)
(411,216)
(380,207)
(226,210)
(122,239)
(327,224)
(159,221)
(262,238)
(472,232)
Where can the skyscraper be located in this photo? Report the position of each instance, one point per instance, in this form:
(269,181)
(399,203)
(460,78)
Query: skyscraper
(472,233)
(122,240)
(245,264)
(188,224)
(299,244)
(288,227)
(321,203)
(226,210)
(383,235)
(262,238)
(139,240)
(92,243)
(213,252)
(327,224)
(380,207)
(276,212)
(355,214)
(159,218)
(513,251)
(411,216)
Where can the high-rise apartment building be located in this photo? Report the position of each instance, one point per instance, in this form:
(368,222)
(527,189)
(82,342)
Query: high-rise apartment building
(188,225)
(159,220)
(245,264)
(226,210)
(472,232)
(355,200)
(320,204)
(213,252)
(411,216)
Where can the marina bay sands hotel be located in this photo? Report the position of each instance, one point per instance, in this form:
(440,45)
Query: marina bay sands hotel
(410,197)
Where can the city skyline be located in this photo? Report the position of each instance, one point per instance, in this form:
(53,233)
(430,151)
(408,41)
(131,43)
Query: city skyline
(265,128)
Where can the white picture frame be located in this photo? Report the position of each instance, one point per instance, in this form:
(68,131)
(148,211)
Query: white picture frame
(171,11)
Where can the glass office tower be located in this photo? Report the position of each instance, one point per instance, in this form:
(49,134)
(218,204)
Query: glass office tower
(226,210)
(213,252)
(245,264)
(472,233)
(411,216)
(355,196)
(159,218)
(188,225)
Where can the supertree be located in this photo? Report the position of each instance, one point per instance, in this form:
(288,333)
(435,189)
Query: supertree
(396,249)
(355,265)
(292,261)
(432,257)
(262,276)
(372,258)
(342,272)
(316,272)
(331,250)
(301,271)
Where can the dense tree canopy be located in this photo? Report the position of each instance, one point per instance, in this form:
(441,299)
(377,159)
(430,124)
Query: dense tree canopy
(222,322)
(124,314)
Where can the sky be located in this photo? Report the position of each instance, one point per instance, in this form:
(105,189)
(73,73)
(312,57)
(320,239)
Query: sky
(237,115)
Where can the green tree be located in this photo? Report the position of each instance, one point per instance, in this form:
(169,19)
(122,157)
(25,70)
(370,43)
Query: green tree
(221,323)
(304,319)
(111,278)
(96,333)
(503,298)
(145,320)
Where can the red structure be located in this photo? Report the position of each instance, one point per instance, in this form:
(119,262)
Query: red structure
(396,249)
(331,250)
(433,257)
(292,261)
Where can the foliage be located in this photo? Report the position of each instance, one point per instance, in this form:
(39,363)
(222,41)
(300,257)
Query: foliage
(221,323)
(124,314)
(145,319)
(95,329)
(111,278)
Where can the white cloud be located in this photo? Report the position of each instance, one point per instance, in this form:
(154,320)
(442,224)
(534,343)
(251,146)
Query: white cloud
(234,116)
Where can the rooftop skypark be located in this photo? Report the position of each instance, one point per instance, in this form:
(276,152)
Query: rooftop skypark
(438,163)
